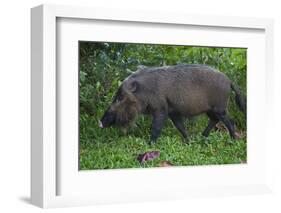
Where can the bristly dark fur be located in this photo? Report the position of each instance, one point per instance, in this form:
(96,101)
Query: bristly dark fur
(126,111)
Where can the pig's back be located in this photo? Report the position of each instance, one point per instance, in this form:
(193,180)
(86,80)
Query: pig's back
(190,89)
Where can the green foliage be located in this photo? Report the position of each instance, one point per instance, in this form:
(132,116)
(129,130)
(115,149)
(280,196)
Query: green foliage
(102,68)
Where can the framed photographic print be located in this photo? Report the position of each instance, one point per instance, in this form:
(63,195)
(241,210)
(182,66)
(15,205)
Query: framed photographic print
(130,106)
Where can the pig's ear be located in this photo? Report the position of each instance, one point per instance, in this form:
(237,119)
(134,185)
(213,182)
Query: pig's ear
(134,86)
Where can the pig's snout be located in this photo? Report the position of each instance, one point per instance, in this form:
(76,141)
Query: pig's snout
(100,124)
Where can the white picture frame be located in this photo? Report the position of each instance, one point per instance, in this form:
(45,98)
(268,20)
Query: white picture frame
(46,167)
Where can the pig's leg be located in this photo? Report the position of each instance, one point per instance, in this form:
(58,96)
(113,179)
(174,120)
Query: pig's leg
(158,121)
(208,129)
(212,123)
(178,122)
(228,123)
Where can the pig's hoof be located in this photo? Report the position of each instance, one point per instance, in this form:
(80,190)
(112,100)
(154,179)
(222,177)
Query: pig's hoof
(186,141)
(151,142)
(205,134)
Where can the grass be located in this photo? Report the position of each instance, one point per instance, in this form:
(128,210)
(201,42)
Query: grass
(113,148)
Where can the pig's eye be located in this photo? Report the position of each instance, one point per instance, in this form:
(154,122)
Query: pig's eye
(118,99)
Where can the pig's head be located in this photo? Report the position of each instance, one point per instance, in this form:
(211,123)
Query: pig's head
(124,107)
